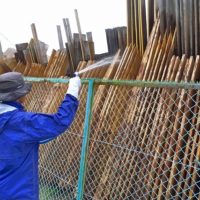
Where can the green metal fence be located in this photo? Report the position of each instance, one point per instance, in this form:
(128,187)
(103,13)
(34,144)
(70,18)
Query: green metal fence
(129,140)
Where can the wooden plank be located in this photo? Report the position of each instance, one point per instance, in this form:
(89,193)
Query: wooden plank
(77,49)
(182,26)
(178,27)
(196,27)
(80,34)
(70,42)
(1,51)
(133,33)
(91,45)
(191,27)
(136,23)
(153,47)
(162,6)
(148,51)
(186,27)
(144,25)
(129,19)
(37,44)
(150,16)
(60,39)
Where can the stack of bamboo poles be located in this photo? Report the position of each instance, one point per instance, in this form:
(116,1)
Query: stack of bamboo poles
(184,16)
(80,47)
(140,20)
(62,62)
(32,52)
(187,23)
(181,15)
(112,110)
(57,66)
(48,104)
(148,129)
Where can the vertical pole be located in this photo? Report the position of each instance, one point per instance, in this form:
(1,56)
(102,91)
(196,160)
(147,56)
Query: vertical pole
(85,141)
(80,34)
(1,51)
(70,41)
(60,39)
(37,44)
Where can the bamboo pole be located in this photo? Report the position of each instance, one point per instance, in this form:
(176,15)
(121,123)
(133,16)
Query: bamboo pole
(70,42)
(80,34)
(196,27)
(37,44)
(60,39)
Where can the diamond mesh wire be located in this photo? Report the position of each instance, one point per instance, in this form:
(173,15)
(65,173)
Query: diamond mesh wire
(144,144)
(59,159)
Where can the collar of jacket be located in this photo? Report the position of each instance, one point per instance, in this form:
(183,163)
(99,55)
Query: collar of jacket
(15,104)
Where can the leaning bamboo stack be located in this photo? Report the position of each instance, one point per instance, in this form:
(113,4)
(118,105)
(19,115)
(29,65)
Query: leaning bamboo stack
(105,123)
(107,114)
(57,66)
(166,179)
(74,144)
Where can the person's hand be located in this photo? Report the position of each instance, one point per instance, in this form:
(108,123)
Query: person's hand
(74,86)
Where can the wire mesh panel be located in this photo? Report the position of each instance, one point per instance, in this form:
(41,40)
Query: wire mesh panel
(144,144)
(60,158)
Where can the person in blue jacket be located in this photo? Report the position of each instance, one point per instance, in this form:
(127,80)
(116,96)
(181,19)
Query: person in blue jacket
(21,133)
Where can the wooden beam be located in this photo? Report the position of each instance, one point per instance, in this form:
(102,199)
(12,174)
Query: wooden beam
(60,39)
(80,34)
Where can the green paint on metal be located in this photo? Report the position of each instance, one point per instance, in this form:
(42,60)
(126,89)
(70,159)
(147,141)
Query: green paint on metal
(150,84)
(85,142)
(53,80)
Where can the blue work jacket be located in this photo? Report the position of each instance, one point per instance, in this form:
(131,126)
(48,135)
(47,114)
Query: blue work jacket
(20,135)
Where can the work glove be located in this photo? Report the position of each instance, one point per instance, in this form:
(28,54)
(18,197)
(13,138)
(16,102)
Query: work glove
(74,86)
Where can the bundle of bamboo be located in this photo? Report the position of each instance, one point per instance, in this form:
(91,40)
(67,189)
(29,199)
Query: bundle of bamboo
(140,15)
(155,150)
(184,16)
(48,102)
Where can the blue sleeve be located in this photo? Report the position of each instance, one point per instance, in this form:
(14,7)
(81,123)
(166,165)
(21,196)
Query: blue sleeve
(36,127)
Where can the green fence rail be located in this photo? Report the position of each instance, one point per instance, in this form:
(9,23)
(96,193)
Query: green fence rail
(134,83)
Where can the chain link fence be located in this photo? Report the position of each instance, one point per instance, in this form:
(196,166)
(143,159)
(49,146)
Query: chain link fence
(141,142)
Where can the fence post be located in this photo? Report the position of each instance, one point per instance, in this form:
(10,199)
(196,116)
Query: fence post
(85,141)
